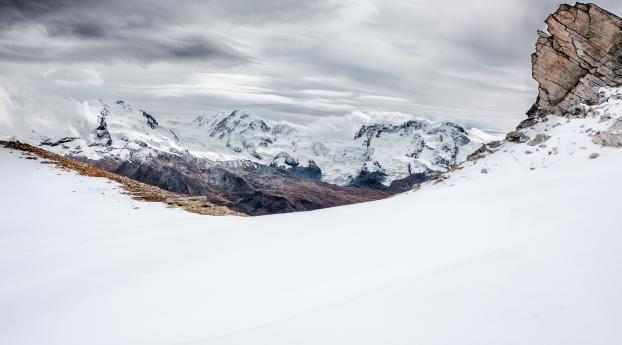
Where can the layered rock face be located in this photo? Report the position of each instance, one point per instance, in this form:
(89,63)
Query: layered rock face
(581,53)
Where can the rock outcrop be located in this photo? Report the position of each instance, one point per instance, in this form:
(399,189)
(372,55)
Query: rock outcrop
(151,121)
(102,135)
(581,52)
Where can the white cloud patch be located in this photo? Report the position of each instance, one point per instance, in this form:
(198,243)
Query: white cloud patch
(55,116)
(73,76)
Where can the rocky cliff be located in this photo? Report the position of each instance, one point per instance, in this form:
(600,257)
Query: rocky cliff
(581,52)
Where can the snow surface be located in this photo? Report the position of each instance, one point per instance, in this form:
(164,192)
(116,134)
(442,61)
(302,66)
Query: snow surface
(528,253)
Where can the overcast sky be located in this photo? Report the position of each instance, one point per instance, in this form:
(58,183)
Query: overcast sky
(283,59)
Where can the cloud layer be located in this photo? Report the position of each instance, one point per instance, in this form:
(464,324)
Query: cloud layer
(285,59)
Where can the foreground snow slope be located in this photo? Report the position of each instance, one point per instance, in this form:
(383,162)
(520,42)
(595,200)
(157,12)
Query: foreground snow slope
(528,253)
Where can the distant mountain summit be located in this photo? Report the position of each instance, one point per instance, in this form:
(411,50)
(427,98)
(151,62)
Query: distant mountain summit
(394,150)
(258,166)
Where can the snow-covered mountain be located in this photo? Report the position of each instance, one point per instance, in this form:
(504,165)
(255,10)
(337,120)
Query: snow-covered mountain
(258,166)
(520,245)
(386,150)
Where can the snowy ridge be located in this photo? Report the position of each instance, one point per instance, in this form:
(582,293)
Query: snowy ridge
(553,141)
(393,151)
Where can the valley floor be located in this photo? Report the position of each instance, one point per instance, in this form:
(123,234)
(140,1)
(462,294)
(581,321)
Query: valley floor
(527,253)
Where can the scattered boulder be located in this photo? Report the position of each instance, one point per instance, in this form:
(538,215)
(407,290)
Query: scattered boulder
(539,140)
(517,137)
(604,118)
(607,139)
(594,155)
(611,137)
(528,122)
(484,171)
(478,154)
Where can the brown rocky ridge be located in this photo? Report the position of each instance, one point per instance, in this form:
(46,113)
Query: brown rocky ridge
(137,190)
(253,190)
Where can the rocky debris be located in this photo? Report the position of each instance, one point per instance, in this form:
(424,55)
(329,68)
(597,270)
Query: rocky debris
(517,137)
(528,122)
(439,179)
(412,181)
(581,53)
(604,118)
(137,190)
(478,154)
(496,144)
(611,137)
(151,121)
(539,139)
(197,204)
(50,142)
(594,155)
(607,139)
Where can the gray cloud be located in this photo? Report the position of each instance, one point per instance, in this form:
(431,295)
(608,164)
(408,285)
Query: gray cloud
(87,31)
(286,59)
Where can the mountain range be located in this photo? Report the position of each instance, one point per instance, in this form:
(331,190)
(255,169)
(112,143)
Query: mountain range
(258,166)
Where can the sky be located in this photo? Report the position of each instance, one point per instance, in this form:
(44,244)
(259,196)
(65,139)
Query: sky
(294,60)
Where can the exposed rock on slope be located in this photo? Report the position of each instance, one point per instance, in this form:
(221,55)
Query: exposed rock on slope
(137,190)
(250,188)
(581,53)
(151,121)
(611,136)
